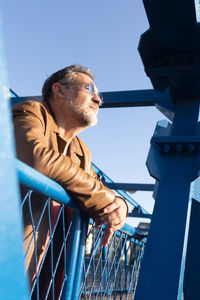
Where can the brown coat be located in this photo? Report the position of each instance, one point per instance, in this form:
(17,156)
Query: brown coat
(39,145)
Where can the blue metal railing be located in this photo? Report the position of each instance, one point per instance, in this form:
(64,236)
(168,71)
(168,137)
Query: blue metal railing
(111,271)
(67,260)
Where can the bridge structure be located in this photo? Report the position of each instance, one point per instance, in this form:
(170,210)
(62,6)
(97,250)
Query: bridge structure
(170,51)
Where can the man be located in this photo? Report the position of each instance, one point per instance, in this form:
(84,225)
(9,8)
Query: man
(46,139)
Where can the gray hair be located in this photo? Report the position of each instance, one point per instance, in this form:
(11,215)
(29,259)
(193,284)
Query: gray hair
(67,74)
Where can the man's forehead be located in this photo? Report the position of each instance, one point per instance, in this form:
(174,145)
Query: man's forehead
(83,78)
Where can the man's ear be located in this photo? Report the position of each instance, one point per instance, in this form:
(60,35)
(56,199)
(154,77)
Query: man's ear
(57,89)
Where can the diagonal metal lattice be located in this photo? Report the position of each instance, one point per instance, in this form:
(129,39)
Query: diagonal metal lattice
(108,272)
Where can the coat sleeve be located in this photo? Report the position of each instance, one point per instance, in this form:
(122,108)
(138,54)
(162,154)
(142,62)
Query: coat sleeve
(31,148)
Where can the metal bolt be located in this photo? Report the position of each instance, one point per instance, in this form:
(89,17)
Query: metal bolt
(166,148)
(191,147)
(179,147)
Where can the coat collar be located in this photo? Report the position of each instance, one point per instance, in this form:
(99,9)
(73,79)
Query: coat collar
(51,117)
(75,143)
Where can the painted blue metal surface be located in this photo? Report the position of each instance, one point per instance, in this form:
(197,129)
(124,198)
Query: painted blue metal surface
(13,95)
(74,242)
(174,169)
(162,265)
(111,272)
(134,98)
(130,186)
(12,277)
(169,50)
(120,98)
(80,259)
(192,270)
(43,184)
(130,230)
(170,53)
(181,291)
(162,101)
(72,249)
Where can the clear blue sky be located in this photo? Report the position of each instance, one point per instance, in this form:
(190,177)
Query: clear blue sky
(42,36)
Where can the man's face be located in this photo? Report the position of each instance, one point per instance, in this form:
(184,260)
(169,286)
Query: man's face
(83,105)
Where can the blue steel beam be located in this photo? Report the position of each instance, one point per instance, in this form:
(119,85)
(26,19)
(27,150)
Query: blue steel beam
(134,98)
(170,50)
(119,98)
(136,213)
(192,271)
(140,98)
(180,34)
(130,186)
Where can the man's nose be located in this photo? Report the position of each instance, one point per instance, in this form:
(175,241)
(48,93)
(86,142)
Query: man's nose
(96,99)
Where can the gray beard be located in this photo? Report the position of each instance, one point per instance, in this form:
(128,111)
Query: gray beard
(86,117)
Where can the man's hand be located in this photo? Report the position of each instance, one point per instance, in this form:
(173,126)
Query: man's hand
(114,218)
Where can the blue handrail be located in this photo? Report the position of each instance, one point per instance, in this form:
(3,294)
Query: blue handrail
(43,184)
(34,179)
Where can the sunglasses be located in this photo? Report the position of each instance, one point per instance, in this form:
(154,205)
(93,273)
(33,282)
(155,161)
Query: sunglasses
(88,87)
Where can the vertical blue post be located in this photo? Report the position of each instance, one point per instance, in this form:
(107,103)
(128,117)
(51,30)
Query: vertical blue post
(72,256)
(174,161)
(103,261)
(80,259)
(12,278)
(192,268)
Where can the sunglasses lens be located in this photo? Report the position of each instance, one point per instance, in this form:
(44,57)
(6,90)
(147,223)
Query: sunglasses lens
(92,92)
(91,87)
